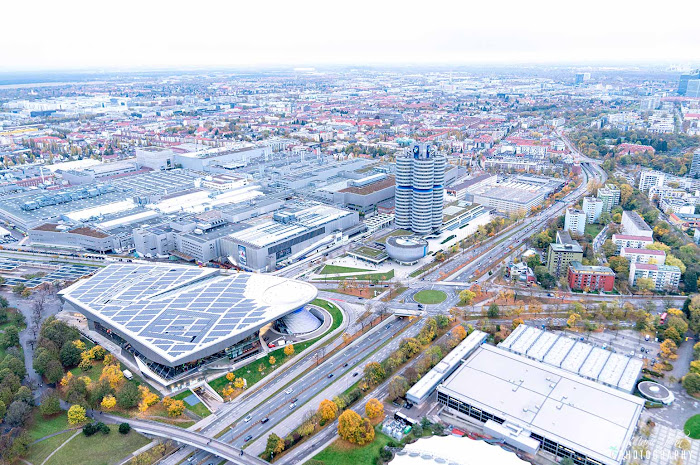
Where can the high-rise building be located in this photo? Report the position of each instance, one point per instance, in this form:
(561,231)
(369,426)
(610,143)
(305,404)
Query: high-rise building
(651,178)
(695,165)
(693,89)
(685,78)
(610,196)
(575,221)
(582,77)
(420,177)
(593,208)
(564,251)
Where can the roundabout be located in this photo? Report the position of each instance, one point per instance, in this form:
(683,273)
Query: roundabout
(429,297)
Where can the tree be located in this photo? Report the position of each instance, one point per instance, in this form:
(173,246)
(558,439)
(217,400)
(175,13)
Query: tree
(668,349)
(573,320)
(459,332)
(76,415)
(239,383)
(112,374)
(3,409)
(493,311)
(466,296)
(50,404)
(70,355)
(609,248)
(17,413)
(128,396)
(398,386)
(275,445)
(691,383)
(349,424)
(176,408)
(272,360)
(124,428)
(374,373)
(53,372)
(230,377)
(645,284)
(289,350)
(148,398)
(696,351)
(10,338)
(108,402)
(374,408)
(672,335)
(516,322)
(327,410)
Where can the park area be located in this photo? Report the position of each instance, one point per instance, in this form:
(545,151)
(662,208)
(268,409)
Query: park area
(429,297)
(692,427)
(75,448)
(342,452)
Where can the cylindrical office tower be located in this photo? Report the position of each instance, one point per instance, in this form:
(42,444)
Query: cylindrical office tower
(402,196)
(420,177)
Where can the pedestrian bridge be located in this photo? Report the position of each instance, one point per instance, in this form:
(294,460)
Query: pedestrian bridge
(214,446)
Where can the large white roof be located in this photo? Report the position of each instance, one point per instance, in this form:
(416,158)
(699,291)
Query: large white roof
(586,416)
(177,312)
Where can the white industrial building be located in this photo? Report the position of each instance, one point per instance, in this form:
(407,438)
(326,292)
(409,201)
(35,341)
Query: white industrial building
(425,386)
(542,409)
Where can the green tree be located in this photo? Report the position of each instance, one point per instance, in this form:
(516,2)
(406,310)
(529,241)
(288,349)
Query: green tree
(10,338)
(70,355)
(128,396)
(493,311)
(691,383)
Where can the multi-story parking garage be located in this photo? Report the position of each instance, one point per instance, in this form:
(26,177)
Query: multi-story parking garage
(175,319)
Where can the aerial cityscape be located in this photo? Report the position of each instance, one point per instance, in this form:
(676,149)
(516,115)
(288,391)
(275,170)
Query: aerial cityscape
(274,256)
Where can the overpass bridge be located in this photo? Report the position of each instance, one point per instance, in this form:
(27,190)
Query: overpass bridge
(214,446)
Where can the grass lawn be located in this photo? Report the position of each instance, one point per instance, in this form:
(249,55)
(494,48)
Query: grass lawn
(342,452)
(429,297)
(98,449)
(39,451)
(593,229)
(692,427)
(42,426)
(396,232)
(332,269)
(197,409)
(251,371)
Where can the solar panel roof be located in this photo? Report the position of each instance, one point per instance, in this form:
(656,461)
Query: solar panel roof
(182,313)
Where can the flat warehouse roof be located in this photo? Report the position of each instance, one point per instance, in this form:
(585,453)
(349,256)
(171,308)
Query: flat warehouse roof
(580,414)
(177,314)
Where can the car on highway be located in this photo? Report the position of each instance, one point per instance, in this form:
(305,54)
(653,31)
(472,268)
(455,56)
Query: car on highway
(289,391)
(248,438)
(330,375)
(264,420)
(247,419)
(355,374)
(345,364)
(292,405)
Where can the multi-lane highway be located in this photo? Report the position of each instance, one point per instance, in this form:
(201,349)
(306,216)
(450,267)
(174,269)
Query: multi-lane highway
(275,402)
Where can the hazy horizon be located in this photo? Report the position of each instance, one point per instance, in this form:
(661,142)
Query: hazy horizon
(130,35)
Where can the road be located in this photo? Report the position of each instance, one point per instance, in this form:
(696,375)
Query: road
(274,402)
(214,446)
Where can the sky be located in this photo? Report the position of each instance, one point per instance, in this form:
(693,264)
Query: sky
(153,34)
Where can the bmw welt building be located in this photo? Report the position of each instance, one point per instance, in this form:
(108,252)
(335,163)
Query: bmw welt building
(176,319)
